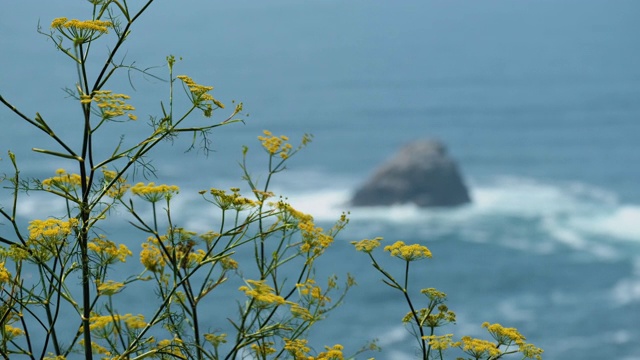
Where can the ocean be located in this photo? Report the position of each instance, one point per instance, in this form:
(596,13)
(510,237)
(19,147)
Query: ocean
(538,101)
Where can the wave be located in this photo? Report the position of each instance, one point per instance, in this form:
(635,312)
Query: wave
(516,212)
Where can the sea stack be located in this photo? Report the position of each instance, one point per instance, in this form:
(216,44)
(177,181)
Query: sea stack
(421,173)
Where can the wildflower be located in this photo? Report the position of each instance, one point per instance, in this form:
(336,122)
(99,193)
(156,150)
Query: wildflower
(263,349)
(509,336)
(313,293)
(97,348)
(262,293)
(110,105)
(12,332)
(228,263)
(441,342)
(108,251)
(529,351)
(332,353)
(297,348)
(154,193)
(504,336)
(408,252)
(47,237)
(110,287)
(5,275)
(367,245)
(51,228)
(67,183)
(200,96)
(81,31)
(427,317)
(135,321)
(301,312)
(116,188)
(479,348)
(151,257)
(435,296)
(276,144)
(216,340)
(231,201)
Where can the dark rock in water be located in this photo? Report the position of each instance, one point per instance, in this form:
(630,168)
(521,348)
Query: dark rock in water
(421,173)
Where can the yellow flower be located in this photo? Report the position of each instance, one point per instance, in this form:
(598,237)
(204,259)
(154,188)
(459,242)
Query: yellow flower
(441,342)
(408,252)
(110,105)
(479,348)
(263,349)
(154,193)
(331,353)
(297,348)
(5,275)
(313,293)
(200,95)
(233,201)
(110,287)
(81,31)
(67,183)
(276,144)
(12,332)
(367,245)
(434,295)
(216,340)
(509,336)
(119,186)
(151,257)
(301,312)
(262,293)
(135,321)
(108,251)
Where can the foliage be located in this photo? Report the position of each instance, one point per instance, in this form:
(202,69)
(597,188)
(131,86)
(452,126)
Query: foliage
(64,283)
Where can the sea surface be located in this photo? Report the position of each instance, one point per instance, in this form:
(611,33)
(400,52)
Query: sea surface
(538,101)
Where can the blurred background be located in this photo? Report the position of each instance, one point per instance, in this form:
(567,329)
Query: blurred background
(539,102)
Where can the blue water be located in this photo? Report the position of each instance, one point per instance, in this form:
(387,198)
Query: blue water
(538,101)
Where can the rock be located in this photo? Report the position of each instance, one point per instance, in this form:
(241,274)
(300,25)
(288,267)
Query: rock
(421,173)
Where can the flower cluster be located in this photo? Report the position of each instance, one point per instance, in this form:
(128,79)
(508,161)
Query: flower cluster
(408,252)
(171,347)
(297,348)
(509,336)
(233,201)
(154,193)
(109,104)
(107,250)
(104,322)
(331,353)
(151,257)
(262,293)
(478,348)
(67,183)
(110,287)
(367,245)
(200,96)
(313,293)
(276,144)
(46,236)
(314,240)
(116,186)
(81,31)
(263,349)
(441,342)
(5,275)
(216,340)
